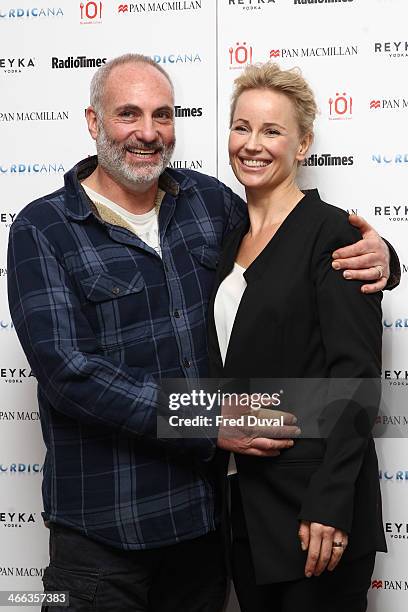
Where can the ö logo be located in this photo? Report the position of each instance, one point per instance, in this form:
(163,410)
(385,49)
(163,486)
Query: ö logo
(91,12)
(21,13)
(341,107)
(240,56)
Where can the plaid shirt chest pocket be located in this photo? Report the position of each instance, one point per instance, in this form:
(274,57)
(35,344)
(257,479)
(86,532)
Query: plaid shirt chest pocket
(116,307)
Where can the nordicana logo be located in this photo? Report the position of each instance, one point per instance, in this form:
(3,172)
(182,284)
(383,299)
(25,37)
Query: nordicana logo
(181,111)
(21,468)
(394,158)
(321,1)
(16,65)
(330,51)
(36,168)
(159,7)
(398,475)
(326,159)
(16,117)
(394,49)
(177,58)
(81,61)
(250,5)
(30,13)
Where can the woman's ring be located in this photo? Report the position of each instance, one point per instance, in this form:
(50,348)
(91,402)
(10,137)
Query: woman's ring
(380,271)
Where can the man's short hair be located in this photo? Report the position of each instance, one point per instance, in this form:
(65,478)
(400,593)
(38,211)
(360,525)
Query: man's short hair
(101,76)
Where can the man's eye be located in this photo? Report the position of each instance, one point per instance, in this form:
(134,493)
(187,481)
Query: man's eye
(164,116)
(126,114)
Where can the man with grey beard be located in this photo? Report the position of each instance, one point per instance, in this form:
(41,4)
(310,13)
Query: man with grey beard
(109,281)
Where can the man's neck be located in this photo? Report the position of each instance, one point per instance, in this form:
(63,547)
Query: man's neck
(136,202)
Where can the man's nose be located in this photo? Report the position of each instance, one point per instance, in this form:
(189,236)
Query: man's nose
(146,130)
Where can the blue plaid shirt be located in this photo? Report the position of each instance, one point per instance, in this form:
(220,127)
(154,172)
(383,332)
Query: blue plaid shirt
(102,318)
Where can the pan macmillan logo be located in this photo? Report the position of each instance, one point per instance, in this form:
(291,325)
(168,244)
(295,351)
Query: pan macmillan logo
(329,51)
(159,7)
(26,572)
(390,585)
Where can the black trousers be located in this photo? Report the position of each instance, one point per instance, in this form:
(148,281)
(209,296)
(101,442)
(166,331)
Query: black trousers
(186,577)
(343,590)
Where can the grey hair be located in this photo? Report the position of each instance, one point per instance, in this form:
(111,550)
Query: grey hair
(101,76)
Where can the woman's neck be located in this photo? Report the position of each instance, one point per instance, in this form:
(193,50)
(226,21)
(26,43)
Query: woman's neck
(268,209)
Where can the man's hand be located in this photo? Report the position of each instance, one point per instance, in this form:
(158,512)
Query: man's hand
(366,260)
(260,440)
(325,544)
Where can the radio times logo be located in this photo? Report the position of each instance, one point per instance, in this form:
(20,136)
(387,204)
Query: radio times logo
(90,12)
(327,159)
(393,49)
(240,55)
(392,212)
(250,5)
(159,7)
(16,375)
(30,13)
(44,115)
(329,51)
(16,65)
(321,1)
(188,111)
(16,520)
(21,468)
(31,168)
(389,104)
(341,106)
(399,159)
(81,61)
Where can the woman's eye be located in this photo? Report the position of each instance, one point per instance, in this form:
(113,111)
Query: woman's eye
(272,133)
(240,128)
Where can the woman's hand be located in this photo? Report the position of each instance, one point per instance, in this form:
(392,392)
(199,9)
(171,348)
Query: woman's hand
(322,542)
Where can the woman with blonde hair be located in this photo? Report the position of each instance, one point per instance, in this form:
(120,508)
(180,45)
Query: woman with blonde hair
(306,524)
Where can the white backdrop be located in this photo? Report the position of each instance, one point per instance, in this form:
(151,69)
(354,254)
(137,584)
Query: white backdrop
(355,55)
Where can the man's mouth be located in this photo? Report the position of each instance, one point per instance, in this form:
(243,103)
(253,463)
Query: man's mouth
(255,163)
(142,153)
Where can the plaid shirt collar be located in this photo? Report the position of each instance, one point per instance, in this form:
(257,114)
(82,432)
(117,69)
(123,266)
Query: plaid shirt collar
(77,203)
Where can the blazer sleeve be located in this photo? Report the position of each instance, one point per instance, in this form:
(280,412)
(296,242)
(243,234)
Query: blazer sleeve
(351,331)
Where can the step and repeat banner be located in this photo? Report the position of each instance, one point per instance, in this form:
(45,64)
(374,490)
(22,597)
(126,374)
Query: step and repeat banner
(355,55)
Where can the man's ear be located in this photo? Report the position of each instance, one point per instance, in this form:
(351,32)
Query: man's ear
(304,146)
(92,121)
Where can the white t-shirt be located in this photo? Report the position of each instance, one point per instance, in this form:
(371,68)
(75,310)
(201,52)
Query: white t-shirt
(145,226)
(226,305)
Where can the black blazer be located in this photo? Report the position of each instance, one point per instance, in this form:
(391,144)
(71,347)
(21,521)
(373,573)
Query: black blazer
(298,318)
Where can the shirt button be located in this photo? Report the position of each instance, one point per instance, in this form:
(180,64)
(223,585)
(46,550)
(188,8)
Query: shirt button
(177,314)
(115,290)
(186,363)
